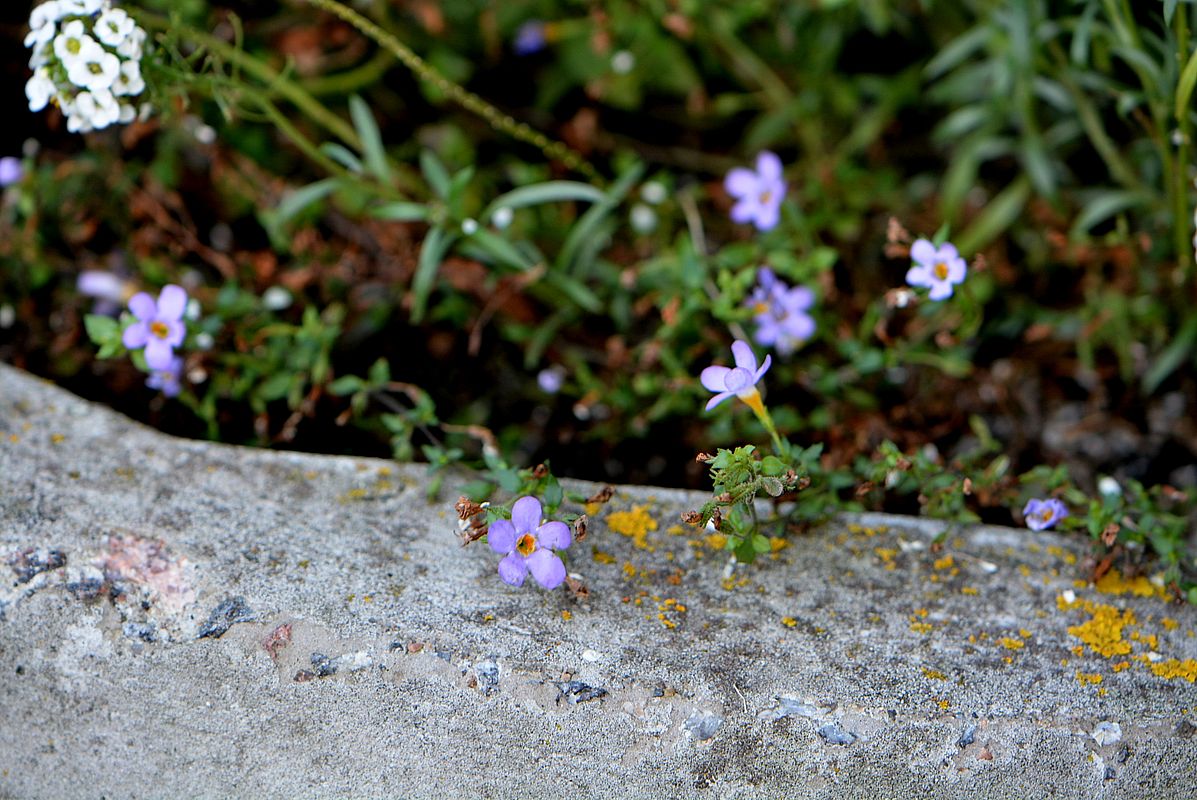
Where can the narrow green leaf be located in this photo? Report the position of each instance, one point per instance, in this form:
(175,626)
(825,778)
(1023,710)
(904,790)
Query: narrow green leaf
(367,131)
(435,245)
(957,51)
(401,210)
(297,200)
(100,329)
(1184,87)
(435,173)
(343,156)
(1105,205)
(346,384)
(584,229)
(997,216)
(547,192)
(1173,356)
(501,250)
(1169,10)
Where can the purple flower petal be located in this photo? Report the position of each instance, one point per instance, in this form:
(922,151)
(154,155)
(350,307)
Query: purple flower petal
(740,182)
(799,299)
(767,216)
(172,302)
(501,536)
(764,368)
(940,290)
(554,535)
(745,210)
(136,335)
(946,252)
(513,569)
(768,166)
(714,378)
(526,515)
(923,252)
(719,398)
(745,358)
(919,276)
(143,307)
(737,380)
(546,568)
(956,270)
(799,326)
(158,353)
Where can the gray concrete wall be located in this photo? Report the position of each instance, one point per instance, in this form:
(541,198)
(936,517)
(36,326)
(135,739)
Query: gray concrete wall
(182,619)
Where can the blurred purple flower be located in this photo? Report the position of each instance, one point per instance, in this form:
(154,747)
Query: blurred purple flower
(781,318)
(1042,514)
(109,289)
(758,194)
(11,171)
(159,327)
(527,545)
(739,381)
(936,268)
(530,38)
(168,380)
(551,379)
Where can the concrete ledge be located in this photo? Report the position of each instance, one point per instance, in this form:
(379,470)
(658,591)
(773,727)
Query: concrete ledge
(182,619)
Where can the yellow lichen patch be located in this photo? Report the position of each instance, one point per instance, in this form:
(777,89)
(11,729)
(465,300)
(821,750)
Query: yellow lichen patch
(1088,678)
(676,530)
(934,674)
(592,508)
(1024,633)
(1113,583)
(715,541)
(1067,601)
(1055,550)
(667,606)
(1069,558)
(565,615)
(777,544)
(944,563)
(635,523)
(789,622)
(629,569)
(1175,668)
(944,704)
(1121,665)
(1024,570)
(920,612)
(602,557)
(1103,631)
(921,627)
(1169,623)
(57,438)
(1148,639)
(969,590)
(1010,643)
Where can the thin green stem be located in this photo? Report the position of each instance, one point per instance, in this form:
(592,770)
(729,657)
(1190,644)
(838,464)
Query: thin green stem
(305,145)
(463,97)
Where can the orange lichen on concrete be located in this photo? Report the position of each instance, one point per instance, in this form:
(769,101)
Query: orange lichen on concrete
(970,590)
(602,557)
(635,523)
(921,627)
(789,622)
(934,674)
(1103,632)
(944,563)
(1088,678)
(1175,668)
(1010,643)
(1169,623)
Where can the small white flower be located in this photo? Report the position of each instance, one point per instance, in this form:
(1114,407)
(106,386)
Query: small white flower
(81,7)
(1108,486)
(502,217)
(131,46)
(643,218)
(40,89)
(39,36)
(95,69)
(653,193)
(113,26)
(276,298)
(623,62)
(469,227)
(69,44)
(46,14)
(128,114)
(128,80)
(95,109)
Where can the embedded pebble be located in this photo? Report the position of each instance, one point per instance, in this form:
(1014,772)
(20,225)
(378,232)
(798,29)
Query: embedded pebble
(591,655)
(702,725)
(834,734)
(28,563)
(1107,733)
(969,736)
(574,692)
(487,674)
(790,707)
(224,616)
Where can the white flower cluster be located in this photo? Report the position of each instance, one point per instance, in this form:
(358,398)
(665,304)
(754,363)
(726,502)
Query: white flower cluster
(87,61)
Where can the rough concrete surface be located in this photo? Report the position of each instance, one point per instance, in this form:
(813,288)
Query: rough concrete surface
(183,619)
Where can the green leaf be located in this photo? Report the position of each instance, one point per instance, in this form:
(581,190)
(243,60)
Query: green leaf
(547,192)
(347,384)
(367,131)
(343,156)
(1184,86)
(297,200)
(997,216)
(435,173)
(584,229)
(1169,10)
(401,210)
(1105,205)
(501,250)
(102,330)
(957,51)
(553,493)
(436,244)
(1173,356)
(380,372)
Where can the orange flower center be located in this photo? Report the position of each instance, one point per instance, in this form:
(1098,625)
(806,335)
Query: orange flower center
(760,308)
(765,197)
(526,545)
(1046,515)
(159,329)
(941,271)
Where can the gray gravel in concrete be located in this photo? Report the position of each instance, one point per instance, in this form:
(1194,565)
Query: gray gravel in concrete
(183,619)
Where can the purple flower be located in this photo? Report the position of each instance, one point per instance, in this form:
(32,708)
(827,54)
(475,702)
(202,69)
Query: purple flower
(739,381)
(109,289)
(551,379)
(159,327)
(781,317)
(936,268)
(528,545)
(530,38)
(168,380)
(1042,514)
(11,171)
(758,194)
